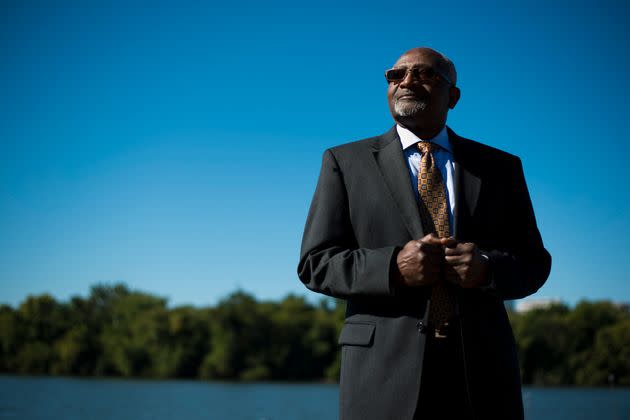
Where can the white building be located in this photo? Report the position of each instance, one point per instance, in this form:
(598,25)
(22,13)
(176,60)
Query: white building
(529,304)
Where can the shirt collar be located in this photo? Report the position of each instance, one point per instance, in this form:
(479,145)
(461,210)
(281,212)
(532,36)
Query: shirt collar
(408,139)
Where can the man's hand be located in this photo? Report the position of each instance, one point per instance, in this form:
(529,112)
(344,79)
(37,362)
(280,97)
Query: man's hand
(465,262)
(419,261)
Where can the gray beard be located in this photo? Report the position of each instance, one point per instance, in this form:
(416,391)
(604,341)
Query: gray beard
(409,108)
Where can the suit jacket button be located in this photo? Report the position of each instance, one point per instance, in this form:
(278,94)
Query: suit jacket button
(421,327)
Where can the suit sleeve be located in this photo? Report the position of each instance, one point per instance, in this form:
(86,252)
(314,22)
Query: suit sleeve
(330,260)
(523,266)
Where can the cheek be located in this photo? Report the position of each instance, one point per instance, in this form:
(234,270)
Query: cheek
(440,100)
(390,92)
(390,95)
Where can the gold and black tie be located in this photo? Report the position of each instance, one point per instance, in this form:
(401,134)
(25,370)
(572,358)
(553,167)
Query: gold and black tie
(434,214)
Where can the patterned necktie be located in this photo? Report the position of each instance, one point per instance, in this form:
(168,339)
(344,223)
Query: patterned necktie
(434,215)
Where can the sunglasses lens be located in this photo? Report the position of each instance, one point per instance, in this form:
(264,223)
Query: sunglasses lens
(426,74)
(395,75)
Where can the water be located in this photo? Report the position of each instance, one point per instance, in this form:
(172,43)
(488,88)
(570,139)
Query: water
(27,398)
(576,403)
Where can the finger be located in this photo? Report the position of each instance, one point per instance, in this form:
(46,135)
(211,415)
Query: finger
(411,247)
(458,250)
(454,260)
(469,246)
(449,242)
(431,238)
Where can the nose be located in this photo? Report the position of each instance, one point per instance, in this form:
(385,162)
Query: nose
(407,80)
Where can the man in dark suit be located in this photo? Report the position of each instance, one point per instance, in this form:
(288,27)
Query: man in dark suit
(424,234)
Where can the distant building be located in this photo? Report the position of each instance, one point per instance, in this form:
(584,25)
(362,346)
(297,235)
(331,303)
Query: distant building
(624,306)
(528,305)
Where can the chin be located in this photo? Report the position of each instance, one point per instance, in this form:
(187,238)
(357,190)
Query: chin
(417,114)
(407,109)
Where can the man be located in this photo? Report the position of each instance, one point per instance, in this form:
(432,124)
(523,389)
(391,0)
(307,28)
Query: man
(424,234)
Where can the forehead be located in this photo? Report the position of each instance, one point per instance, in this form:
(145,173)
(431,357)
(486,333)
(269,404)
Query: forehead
(419,59)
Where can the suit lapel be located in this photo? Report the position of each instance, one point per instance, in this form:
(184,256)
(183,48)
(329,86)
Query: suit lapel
(467,184)
(391,162)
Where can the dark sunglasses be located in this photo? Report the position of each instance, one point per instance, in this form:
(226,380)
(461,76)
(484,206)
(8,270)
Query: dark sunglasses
(421,74)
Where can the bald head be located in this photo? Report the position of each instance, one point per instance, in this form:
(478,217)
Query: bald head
(443,62)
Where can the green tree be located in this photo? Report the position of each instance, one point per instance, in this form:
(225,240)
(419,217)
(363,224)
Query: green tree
(608,360)
(42,321)
(132,339)
(72,352)
(587,318)
(239,330)
(303,339)
(185,345)
(10,338)
(543,341)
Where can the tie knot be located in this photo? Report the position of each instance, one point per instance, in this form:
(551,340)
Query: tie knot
(428,147)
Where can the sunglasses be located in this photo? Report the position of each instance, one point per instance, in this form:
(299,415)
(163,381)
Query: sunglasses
(421,74)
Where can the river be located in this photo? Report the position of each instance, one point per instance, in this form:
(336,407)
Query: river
(31,398)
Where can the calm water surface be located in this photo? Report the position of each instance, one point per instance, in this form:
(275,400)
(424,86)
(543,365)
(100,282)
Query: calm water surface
(27,398)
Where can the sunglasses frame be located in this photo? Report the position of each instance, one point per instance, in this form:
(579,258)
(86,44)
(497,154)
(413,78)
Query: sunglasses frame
(416,73)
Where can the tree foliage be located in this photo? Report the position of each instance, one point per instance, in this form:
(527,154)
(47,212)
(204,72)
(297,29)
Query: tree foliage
(586,345)
(119,332)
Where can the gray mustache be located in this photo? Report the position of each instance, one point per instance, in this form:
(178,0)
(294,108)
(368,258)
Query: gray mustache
(411,97)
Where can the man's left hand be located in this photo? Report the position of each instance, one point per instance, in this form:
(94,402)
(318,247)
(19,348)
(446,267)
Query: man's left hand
(465,259)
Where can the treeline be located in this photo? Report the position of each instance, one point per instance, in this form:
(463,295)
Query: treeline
(119,332)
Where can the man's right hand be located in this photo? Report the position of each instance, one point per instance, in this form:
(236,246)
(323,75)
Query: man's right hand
(420,260)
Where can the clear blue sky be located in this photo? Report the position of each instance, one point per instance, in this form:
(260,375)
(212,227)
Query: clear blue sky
(175,146)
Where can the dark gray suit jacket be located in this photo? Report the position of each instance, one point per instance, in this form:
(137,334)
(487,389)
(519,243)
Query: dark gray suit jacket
(363,211)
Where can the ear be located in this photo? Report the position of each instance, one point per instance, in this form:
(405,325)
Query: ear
(454,95)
